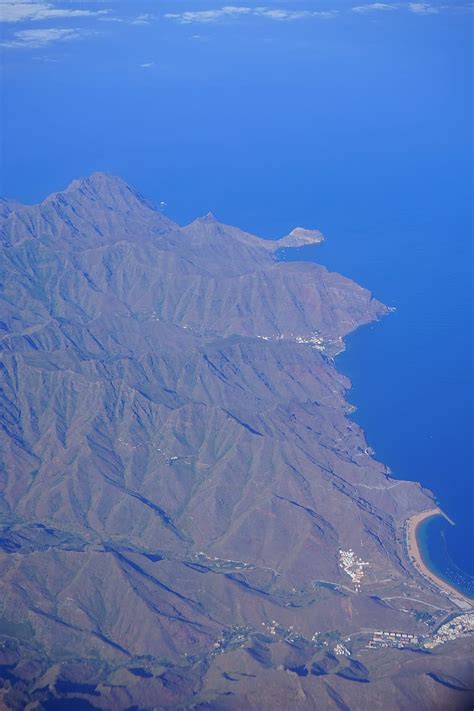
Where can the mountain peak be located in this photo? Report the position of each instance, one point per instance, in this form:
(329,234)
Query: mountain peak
(208,218)
(94,210)
(109,190)
(97,181)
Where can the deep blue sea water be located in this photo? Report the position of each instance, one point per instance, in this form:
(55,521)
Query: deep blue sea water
(432,536)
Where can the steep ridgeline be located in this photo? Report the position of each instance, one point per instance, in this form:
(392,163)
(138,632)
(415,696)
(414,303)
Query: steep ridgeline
(181,490)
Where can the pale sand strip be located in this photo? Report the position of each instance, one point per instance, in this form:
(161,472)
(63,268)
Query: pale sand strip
(415,556)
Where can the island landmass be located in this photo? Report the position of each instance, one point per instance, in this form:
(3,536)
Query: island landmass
(189,518)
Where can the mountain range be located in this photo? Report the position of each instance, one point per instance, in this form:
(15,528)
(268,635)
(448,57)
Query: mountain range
(189,516)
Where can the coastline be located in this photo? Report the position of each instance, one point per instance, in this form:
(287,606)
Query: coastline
(416,558)
(413,547)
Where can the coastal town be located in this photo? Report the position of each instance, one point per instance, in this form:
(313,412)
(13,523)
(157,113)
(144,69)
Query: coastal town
(315,339)
(454,628)
(329,346)
(460,626)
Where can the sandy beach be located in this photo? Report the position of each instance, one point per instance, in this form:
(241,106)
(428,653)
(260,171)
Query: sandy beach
(415,556)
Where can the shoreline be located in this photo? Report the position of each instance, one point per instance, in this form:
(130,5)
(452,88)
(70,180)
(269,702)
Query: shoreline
(411,524)
(416,558)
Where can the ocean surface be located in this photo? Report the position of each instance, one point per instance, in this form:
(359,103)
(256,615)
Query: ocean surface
(431,536)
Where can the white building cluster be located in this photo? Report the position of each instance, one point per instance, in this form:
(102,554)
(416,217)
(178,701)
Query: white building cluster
(341,650)
(392,639)
(353,566)
(271,627)
(459,627)
(315,340)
